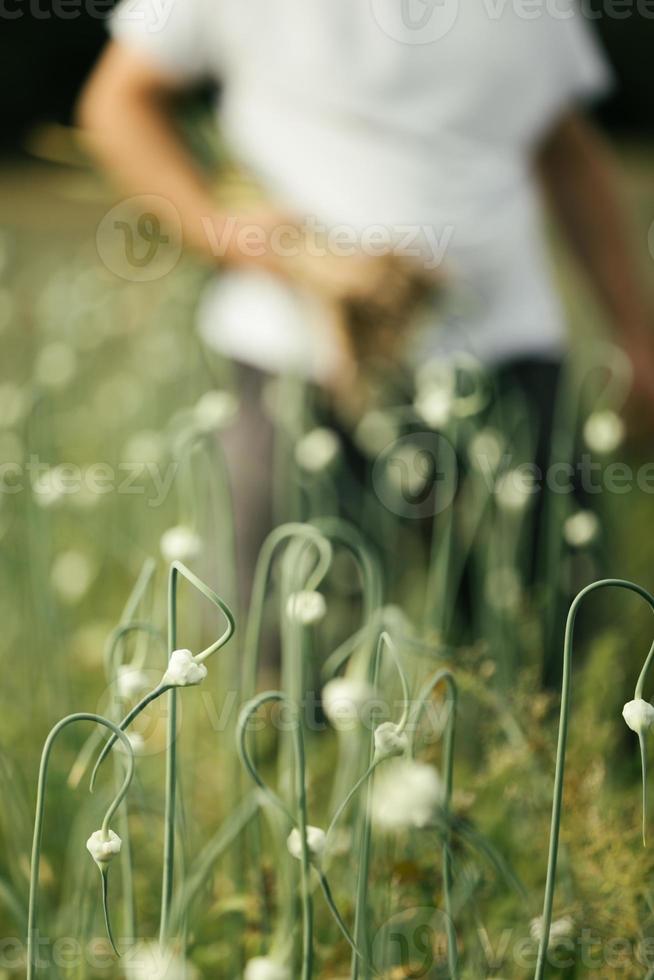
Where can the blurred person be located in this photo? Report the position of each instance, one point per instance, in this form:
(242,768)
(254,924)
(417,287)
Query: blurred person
(430,129)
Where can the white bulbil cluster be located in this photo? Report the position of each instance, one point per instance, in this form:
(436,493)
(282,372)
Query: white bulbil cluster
(375,432)
(265,968)
(306,607)
(184,670)
(316,841)
(434,406)
(72,575)
(103,847)
(514,490)
(406,794)
(581,529)
(317,450)
(180,543)
(486,448)
(390,740)
(131,682)
(639,715)
(437,389)
(147,445)
(604,432)
(49,486)
(216,410)
(150,962)
(559,930)
(344,700)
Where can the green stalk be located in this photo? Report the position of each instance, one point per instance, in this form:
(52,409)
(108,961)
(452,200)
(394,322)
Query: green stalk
(300,821)
(285,534)
(170,804)
(170,801)
(32,915)
(555,826)
(361,902)
(276,538)
(444,676)
(350,796)
(349,537)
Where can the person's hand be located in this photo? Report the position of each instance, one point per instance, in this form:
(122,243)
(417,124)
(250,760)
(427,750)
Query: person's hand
(368,300)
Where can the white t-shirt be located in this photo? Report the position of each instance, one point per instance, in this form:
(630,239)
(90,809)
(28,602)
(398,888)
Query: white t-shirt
(419,116)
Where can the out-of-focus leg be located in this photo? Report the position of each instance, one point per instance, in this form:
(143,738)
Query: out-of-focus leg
(248,449)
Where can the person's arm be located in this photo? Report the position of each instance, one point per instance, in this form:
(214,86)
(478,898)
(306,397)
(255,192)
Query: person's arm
(582,181)
(127,113)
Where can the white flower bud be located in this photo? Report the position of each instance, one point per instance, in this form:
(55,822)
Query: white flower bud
(639,715)
(216,410)
(485,449)
(375,432)
(604,432)
(180,544)
(72,575)
(103,848)
(406,794)
(316,841)
(184,670)
(317,450)
(48,488)
(581,529)
(148,961)
(390,741)
(514,490)
(144,446)
(306,607)
(434,406)
(265,968)
(131,682)
(503,589)
(343,701)
(559,930)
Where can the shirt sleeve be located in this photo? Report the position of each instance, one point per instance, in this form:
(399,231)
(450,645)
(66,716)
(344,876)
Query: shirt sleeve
(581,69)
(170,33)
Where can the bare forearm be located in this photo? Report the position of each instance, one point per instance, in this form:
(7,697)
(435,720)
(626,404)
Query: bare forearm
(129,124)
(581,178)
(141,152)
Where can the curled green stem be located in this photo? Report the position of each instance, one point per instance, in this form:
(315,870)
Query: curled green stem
(557,801)
(248,711)
(32,935)
(124,725)
(176,569)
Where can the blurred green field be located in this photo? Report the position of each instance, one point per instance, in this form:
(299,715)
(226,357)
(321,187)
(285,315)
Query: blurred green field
(99,370)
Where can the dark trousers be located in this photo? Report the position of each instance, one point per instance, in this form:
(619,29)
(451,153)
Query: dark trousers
(523,396)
